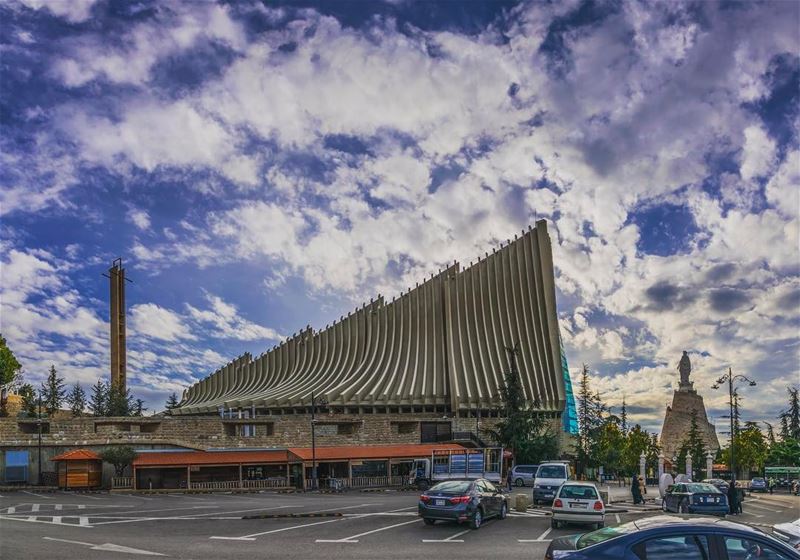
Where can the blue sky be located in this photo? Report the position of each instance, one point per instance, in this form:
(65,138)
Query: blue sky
(261,167)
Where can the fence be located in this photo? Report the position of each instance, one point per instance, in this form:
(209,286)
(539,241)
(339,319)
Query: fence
(235,484)
(360,482)
(122,482)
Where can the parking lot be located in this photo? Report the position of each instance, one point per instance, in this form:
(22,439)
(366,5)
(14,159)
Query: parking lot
(354,525)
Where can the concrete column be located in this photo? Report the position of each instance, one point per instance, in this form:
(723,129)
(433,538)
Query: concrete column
(188,477)
(642,465)
(660,465)
(709,464)
(240,475)
(689,465)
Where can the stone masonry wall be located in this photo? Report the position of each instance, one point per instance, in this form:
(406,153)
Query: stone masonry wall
(677,421)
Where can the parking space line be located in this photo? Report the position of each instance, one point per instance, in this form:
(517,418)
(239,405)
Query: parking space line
(37,495)
(616,516)
(773,510)
(747,513)
(451,538)
(252,537)
(540,539)
(354,538)
(34,508)
(184,496)
(33,519)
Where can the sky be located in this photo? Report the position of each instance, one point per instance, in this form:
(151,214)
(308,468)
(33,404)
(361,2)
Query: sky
(264,166)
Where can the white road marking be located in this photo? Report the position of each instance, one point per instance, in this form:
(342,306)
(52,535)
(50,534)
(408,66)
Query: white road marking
(57,520)
(34,508)
(540,539)
(184,496)
(83,521)
(58,507)
(773,510)
(747,513)
(451,538)
(33,519)
(108,547)
(354,538)
(234,511)
(616,516)
(252,537)
(10,510)
(37,495)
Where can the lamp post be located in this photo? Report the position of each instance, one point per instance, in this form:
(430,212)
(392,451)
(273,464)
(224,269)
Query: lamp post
(314,401)
(731,380)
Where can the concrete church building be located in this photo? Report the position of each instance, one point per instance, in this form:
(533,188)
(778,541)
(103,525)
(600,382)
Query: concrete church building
(424,368)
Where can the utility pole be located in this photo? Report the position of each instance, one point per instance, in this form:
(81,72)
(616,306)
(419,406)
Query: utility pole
(39,426)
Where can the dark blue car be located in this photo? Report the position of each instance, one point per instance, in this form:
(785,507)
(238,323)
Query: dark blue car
(672,538)
(695,497)
(463,501)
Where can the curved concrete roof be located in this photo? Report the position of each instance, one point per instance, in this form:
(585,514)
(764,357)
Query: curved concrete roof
(440,343)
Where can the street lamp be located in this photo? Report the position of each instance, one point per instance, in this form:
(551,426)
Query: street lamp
(731,380)
(322,401)
(39,426)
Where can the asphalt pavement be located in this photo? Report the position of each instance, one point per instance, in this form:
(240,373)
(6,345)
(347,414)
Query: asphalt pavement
(288,526)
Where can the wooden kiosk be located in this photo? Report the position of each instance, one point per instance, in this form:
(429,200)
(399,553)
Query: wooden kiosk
(80,468)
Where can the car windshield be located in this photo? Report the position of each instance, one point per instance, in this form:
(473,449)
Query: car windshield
(603,535)
(452,487)
(695,488)
(574,491)
(553,471)
(759,480)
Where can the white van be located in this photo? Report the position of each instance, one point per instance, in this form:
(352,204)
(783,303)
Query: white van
(549,478)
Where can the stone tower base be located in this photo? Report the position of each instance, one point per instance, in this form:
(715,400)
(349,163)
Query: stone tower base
(678,419)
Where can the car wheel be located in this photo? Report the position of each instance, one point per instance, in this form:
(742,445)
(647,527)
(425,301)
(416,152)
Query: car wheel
(503,510)
(477,519)
(429,521)
(554,524)
(519,482)
(601,525)
(664,505)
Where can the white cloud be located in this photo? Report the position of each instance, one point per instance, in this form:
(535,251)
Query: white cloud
(229,323)
(75,11)
(758,155)
(140,218)
(151,320)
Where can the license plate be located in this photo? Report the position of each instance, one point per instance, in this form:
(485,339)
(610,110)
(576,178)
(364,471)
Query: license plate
(577,505)
(438,502)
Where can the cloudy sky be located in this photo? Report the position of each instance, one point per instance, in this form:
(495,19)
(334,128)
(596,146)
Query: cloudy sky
(262,167)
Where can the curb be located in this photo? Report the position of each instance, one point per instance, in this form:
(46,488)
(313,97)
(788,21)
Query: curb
(290,515)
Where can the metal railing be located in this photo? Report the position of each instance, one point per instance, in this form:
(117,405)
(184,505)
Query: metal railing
(122,482)
(360,482)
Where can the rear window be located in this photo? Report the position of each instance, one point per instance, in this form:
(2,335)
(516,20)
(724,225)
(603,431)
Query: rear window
(552,471)
(578,492)
(693,488)
(452,486)
(606,534)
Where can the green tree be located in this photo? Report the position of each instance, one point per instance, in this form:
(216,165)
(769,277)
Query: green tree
(29,401)
(751,448)
(120,456)
(609,448)
(591,411)
(692,443)
(120,402)
(785,428)
(623,417)
(77,400)
(637,442)
(139,408)
(53,391)
(653,451)
(10,373)
(770,434)
(172,401)
(523,430)
(785,453)
(98,402)
(792,414)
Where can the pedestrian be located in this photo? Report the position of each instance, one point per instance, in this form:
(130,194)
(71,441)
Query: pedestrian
(733,498)
(636,491)
(771,484)
(508,479)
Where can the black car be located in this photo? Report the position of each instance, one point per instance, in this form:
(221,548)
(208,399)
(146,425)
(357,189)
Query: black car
(672,538)
(470,501)
(695,497)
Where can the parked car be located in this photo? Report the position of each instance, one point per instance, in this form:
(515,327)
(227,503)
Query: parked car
(759,484)
(788,533)
(578,502)
(718,483)
(523,475)
(694,497)
(471,501)
(670,538)
(549,477)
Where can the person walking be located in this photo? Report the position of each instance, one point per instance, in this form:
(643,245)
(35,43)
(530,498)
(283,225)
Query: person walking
(771,484)
(508,479)
(636,491)
(733,498)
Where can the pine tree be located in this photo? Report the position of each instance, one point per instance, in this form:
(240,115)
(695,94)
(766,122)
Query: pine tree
(785,427)
(28,400)
(53,391)
(139,408)
(770,434)
(737,417)
(98,403)
(172,401)
(77,400)
(792,414)
(120,402)
(623,416)
(591,411)
(692,443)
